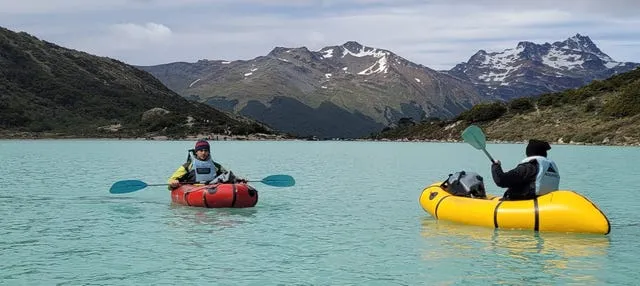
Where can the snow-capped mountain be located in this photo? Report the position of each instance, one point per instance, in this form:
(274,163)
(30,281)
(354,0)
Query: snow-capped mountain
(533,69)
(348,90)
(351,90)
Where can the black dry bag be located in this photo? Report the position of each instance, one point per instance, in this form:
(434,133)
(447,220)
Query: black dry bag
(465,184)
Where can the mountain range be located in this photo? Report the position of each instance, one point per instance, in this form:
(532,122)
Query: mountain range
(353,90)
(339,91)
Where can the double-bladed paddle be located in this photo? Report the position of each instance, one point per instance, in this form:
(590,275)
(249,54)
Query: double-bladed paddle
(128,186)
(475,137)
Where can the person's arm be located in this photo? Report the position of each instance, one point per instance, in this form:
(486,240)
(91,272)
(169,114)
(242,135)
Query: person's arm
(174,180)
(228,177)
(520,175)
(219,169)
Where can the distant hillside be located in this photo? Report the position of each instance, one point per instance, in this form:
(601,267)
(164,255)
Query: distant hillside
(603,112)
(48,90)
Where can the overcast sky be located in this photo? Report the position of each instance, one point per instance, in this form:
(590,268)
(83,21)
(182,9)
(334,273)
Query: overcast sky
(435,33)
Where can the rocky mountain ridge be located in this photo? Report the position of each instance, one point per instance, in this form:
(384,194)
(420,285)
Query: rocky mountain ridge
(533,69)
(351,90)
(340,91)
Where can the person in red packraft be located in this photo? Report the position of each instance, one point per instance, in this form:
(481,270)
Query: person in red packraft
(201,169)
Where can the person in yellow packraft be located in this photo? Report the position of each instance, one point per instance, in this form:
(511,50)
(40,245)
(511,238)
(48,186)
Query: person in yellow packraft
(536,175)
(200,168)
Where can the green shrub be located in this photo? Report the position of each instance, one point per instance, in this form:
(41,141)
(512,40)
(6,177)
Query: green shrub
(161,122)
(552,99)
(627,103)
(483,112)
(597,139)
(521,105)
(589,107)
(39,126)
(406,121)
(566,138)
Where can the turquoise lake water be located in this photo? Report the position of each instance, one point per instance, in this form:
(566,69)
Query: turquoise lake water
(353,217)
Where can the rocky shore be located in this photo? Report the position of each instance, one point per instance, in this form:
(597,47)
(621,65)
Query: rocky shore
(271,137)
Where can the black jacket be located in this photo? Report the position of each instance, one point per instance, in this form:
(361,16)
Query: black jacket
(520,182)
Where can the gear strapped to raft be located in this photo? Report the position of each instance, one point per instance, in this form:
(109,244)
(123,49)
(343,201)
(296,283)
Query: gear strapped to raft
(465,184)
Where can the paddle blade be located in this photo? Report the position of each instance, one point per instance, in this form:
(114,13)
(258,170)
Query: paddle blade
(127,186)
(279,181)
(475,137)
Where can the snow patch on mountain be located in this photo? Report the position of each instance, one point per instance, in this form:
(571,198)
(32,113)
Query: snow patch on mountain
(194,82)
(502,60)
(363,52)
(327,54)
(379,66)
(497,77)
(561,60)
(500,65)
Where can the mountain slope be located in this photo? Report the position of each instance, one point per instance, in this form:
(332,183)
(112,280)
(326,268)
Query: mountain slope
(603,112)
(352,90)
(533,69)
(48,88)
(340,91)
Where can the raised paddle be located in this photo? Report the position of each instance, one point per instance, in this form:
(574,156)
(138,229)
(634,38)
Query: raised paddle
(475,137)
(128,186)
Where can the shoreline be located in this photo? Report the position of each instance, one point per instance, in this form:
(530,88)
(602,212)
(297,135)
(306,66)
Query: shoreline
(271,137)
(637,144)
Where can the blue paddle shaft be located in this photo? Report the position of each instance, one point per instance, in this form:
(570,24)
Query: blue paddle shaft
(490,158)
(476,138)
(128,186)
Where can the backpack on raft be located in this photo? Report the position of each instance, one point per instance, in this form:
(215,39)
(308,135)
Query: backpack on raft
(465,184)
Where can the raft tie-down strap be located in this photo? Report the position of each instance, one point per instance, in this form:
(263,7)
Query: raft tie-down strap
(256,194)
(495,215)
(235,195)
(184,197)
(537,214)
(204,198)
(438,205)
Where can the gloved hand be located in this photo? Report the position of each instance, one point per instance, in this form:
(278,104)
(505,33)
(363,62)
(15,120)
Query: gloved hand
(174,184)
(226,177)
(238,179)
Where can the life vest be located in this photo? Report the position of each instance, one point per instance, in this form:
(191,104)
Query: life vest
(204,171)
(548,177)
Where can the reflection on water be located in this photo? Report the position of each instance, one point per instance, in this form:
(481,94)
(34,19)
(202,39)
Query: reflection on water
(517,255)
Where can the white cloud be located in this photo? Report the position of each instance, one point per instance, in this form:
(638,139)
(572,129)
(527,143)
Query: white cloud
(57,6)
(128,41)
(436,34)
(149,32)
